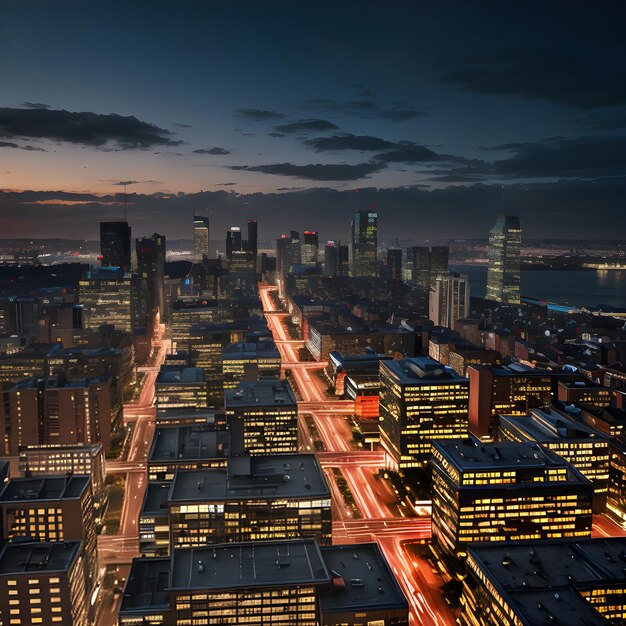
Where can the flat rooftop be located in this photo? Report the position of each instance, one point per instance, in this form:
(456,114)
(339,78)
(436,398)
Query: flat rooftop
(176,374)
(147,585)
(44,488)
(260,393)
(541,579)
(254,564)
(275,476)
(258,349)
(421,369)
(155,500)
(187,442)
(468,455)
(189,415)
(550,425)
(28,557)
(368,583)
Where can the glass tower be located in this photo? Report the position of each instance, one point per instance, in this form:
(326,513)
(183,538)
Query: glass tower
(503,277)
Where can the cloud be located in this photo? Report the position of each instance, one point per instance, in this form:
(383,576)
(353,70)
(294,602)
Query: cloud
(366,109)
(362,143)
(275,135)
(10,144)
(126,183)
(319,171)
(216,150)
(259,115)
(560,75)
(35,105)
(305,125)
(183,125)
(409,152)
(83,128)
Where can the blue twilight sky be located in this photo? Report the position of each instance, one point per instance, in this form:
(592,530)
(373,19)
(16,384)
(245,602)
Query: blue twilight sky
(283,109)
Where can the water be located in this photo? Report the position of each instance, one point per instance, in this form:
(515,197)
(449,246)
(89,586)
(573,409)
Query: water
(571,287)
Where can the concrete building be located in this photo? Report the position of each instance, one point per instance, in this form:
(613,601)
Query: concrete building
(180,387)
(449,300)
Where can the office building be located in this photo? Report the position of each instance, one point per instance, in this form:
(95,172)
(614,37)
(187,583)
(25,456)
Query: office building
(505,492)
(200,237)
(106,295)
(506,390)
(505,244)
(420,401)
(616,494)
(115,245)
(310,247)
(57,412)
(179,387)
(449,300)
(271,583)
(426,263)
(585,447)
(575,583)
(43,583)
(151,269)
(283,496)
(186,447)
(233,241)
(331,267)
(365,243)
(51,509)
(252,244)
(584,392)
(61,460)
(262,417)
(250,361)
(288,253)
(189,312)
(394,263)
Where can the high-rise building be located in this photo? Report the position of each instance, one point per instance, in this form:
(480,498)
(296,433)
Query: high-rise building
(364,243)
(505,244)
(43,583)
(310,247)
(616,496)
(233,241)
(151,268)
(250,361)
(556,582)
(330,259)
(394,263)
(288,252)
(115,245)
(420,401)
(200,237)
(180,387)
(252,244)
(106,295)
(262,417)
(259,498)
(449,299)
(343,259)
(505,492)
(51,509)
(426,263)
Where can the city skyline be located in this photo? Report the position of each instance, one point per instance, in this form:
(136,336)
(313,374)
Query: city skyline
(295,116)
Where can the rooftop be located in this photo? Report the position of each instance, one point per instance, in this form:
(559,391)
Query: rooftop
(257,564)
(186,442)
(260,393)
(44,488)
(155,500)
(420,369)
(275,476)
(177,374)
(361,580)
(541,579)
(147,585)
(259,349)
(197,415)
(27,557)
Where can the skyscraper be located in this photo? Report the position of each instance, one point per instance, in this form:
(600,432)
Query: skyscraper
(233,241)
(200,237)
(394,263)
(310,247)
(330,259)
(425,263)
(288,252)
(503,277)
(115,245)
(151,268)
(252,245)
(364,243)
(449,299)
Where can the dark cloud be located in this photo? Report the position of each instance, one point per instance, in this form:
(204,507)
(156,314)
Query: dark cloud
(362,143)
(304,125)
(29,148)
(609,124)
(259,115)
(365,109)
(317,171)
(183,125)
(409,152)
(275,135)
(35,105)
(215,150)
(84,128)
(557,74)
(126,183)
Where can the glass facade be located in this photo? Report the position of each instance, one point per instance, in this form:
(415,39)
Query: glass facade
(505,244)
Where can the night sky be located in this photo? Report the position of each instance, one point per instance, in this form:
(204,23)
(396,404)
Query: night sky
(283,110)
